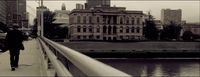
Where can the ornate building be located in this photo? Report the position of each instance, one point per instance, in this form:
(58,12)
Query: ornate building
(106,23)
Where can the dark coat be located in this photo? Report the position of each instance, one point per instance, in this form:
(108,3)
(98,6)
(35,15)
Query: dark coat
(14,39)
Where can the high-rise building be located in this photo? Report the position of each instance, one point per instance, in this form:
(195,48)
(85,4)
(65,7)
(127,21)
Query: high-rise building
(97,3)
(3,11)
(16,13)
(168,16)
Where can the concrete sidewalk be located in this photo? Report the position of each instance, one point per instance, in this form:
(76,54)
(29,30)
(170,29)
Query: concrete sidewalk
(30,63)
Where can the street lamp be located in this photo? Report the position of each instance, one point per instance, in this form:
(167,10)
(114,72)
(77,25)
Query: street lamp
(41,18)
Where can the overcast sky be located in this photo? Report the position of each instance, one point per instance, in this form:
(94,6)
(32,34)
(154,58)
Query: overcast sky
(190,9)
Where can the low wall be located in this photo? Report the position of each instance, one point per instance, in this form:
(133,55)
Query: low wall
(137,49)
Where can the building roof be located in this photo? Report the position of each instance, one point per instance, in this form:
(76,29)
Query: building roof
(61,21)
(107,10)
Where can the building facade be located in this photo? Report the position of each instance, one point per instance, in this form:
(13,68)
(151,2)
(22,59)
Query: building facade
(193,27)
(16,13)
(3,11)
(62,16)
(168,16)
(106,23)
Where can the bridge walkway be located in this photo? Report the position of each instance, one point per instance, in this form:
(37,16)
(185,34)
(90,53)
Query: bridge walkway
(30,63)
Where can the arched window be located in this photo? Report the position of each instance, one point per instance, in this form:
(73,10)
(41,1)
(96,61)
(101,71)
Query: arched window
(97,36)
(127,29)
(98,20)
(121,29)
(138,29)
(133,29)
(127,20)
(114,29)
(104,29)
(84,29)
(109,29)
(78,37)
(90,29)
(78,29)
(98,29)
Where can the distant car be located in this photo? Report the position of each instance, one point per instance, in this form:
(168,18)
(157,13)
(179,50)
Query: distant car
(2,34)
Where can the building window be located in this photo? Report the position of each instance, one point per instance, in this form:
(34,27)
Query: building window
(84,29)
(127,20)
(90,37)
(98,29)
(121,20)
(98,37)
(78,37)
(121,29)
(104,29)
(133,29)
(90,19)
(109,29)
(84,37)
(127,29)
(114,29)
(78,19)
(90,29)
(133,37)
(121,37)
(138,30)
(98,20)
(138,20)
(84,19)
(133,21)
(78,29)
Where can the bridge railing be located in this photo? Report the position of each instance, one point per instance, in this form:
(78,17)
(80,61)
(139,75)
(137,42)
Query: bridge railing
(87,65)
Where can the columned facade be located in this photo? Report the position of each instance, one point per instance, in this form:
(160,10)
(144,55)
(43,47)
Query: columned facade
(114,23)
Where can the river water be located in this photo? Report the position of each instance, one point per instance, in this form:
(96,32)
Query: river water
(157,67)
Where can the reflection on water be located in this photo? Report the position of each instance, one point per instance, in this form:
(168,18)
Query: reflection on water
(157,67)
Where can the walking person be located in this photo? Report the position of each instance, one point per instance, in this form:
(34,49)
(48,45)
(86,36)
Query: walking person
(14,39)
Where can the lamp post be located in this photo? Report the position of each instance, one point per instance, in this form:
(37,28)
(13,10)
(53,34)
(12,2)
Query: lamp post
(40,19)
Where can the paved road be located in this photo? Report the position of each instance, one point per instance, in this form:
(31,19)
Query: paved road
(29,64)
